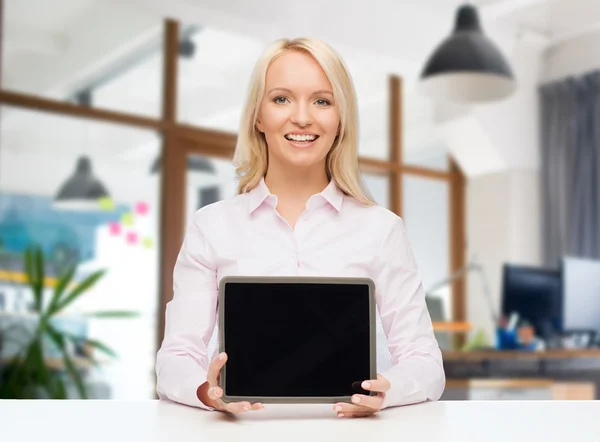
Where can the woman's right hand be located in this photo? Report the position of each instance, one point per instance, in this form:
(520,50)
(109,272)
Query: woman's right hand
(210,393)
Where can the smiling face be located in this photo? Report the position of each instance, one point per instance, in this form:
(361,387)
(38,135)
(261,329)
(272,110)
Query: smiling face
(297,114)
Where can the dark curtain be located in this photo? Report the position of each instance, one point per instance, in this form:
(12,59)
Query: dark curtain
(570,151)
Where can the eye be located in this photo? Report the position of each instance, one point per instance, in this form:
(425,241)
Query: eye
(280,100)
(322,102)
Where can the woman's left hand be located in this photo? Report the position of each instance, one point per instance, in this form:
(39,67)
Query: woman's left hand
(363,405)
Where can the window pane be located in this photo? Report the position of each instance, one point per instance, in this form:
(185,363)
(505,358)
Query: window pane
(436,158)
(423,145)
(213,76)
(426,217)
(118,233)
(371,82)
(379,186)
(208,180)
(62,50)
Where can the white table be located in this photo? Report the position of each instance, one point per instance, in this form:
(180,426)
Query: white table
(112,421)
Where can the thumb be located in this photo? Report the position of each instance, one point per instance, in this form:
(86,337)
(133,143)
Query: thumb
(215,368)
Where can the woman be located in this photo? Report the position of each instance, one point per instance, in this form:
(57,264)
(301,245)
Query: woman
(300,210)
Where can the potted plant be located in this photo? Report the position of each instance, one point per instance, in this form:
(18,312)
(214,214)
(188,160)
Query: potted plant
(29,375)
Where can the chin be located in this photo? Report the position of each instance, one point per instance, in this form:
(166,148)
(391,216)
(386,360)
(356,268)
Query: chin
(288,156)
(303,161)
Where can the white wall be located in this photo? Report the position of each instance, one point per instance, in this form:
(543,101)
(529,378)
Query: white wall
(503,225)
(573,57)
(488,238)
(525,222)
(503,201)
(513,124)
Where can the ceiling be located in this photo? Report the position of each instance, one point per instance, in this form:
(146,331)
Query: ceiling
(54,49)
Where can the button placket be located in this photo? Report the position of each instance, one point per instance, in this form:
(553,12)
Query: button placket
(295,254)
(295,248)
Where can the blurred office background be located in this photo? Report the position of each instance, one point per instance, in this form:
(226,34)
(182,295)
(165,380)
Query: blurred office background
(118,120)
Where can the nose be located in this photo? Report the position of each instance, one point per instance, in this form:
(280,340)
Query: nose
(301,115)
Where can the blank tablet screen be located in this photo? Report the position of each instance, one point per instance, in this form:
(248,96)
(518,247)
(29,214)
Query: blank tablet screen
(296,339)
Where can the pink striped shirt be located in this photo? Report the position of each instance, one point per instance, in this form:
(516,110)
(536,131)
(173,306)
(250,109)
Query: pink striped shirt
(334,236)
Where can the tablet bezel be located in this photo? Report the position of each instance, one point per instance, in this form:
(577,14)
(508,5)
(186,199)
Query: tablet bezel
(295,280)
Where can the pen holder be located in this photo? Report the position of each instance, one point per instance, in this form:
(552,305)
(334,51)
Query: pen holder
(506,339)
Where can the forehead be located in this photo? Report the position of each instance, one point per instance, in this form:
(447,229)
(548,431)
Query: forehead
(296,70)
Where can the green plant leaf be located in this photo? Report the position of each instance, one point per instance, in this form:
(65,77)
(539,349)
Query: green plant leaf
(81,288)
(34,271)
(24,373)
(35,371)
(29,270)
(93,343)
(113,314)
(75,375)
(40,273)
(64,280)
(60,392)
(30,273)
(100,346)
(58,339)
(8,388)
(95,362)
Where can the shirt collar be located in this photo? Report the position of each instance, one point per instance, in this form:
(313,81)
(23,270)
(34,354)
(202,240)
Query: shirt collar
(260,194)
(333,195)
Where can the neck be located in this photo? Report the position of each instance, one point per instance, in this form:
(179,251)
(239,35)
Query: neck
(296,185)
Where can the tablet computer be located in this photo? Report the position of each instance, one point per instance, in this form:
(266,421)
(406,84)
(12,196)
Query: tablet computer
(296,339)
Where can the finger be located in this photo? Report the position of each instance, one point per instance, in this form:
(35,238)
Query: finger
(345,408)
(215,393)
(253,407)
(239,407)
(379,384)
(373,402)
(355,414)
(215,367)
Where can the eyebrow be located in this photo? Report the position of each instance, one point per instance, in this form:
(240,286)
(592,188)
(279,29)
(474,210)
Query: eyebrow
(282,89)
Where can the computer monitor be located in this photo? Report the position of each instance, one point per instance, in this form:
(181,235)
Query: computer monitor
(536,295)
(581,280)
(435,305)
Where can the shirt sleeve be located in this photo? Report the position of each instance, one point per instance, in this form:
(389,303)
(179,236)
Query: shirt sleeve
(417,372)
(182,360)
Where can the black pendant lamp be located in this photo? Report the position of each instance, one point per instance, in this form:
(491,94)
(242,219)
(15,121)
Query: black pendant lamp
(467,67)
(82,190)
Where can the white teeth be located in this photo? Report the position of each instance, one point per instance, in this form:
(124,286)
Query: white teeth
(301,137)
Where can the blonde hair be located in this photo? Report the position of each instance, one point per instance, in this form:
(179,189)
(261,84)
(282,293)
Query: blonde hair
(251,156)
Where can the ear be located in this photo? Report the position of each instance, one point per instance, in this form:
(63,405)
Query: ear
(259,125)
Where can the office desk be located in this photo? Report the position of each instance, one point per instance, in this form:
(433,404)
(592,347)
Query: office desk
(560,366)
(592,353)
(112,421)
